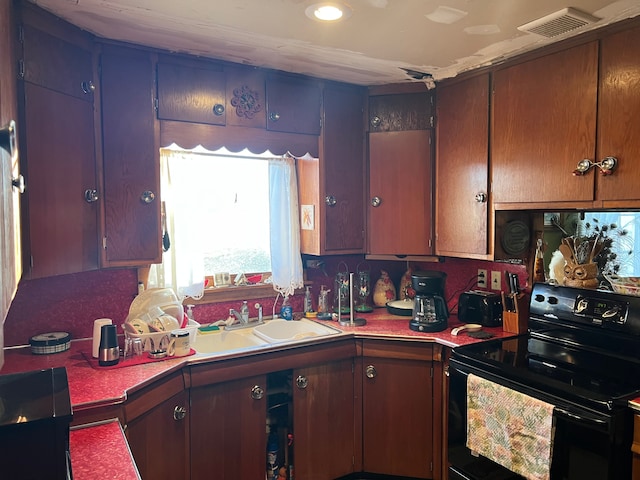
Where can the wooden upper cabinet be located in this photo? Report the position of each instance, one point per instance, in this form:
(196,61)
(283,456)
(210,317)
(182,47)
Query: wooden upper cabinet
(131,159)
(293,104)
(400,183)
(191,94)
(334,183)
(619,116)
(407,111)
(57,64)
(462,168)
(544,123)
(60,227)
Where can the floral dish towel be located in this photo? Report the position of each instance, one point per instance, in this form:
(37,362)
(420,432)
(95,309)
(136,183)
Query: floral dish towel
(510,428)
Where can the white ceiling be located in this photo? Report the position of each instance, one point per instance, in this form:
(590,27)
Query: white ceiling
(371,47)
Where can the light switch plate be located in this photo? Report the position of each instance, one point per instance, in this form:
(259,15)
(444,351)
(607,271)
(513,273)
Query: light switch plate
(496,280)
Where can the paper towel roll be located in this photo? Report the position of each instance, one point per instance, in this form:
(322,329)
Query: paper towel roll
(97,325)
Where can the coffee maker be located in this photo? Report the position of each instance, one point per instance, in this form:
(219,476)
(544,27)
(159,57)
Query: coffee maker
(430,312)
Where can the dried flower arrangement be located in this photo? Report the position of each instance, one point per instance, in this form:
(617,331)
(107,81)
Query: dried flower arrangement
(608,235)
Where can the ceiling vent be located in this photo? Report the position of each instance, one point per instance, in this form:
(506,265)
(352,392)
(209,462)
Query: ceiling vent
(560,22)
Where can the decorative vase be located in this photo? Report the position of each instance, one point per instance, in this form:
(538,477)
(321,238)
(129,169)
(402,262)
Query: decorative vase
(384,291)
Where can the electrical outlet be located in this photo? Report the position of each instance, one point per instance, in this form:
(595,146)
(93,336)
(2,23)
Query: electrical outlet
(482,278)
(496,281)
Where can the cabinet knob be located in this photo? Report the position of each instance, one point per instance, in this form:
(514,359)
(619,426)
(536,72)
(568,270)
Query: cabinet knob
(274,116)
(88,87)
(218,109)
(147,196)
(481,197)
(179,412)
(371,371)
(18,183)
(91,195)
(257,392)
(376,201)
(330,200)
(302,382)
(375,121)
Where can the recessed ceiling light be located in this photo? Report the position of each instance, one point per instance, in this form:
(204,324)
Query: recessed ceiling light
(328,12)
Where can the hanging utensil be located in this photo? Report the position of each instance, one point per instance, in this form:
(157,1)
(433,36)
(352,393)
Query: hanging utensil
(166,241)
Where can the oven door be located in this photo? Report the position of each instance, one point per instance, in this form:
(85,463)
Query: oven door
(587,443)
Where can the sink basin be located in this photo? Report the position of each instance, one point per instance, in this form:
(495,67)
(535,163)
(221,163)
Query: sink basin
(222,342)
(279,330)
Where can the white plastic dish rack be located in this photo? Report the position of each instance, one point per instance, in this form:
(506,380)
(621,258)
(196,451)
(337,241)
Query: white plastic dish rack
(153,340)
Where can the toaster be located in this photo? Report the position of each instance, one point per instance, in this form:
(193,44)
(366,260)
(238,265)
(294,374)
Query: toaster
(477,306)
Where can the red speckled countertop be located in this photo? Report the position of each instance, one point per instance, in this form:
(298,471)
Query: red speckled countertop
(91,387)
(101,451)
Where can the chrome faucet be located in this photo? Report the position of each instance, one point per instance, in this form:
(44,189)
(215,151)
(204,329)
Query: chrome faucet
(241,323)
(237,314)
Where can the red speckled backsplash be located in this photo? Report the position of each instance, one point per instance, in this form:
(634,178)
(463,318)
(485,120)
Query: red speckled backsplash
(71,303)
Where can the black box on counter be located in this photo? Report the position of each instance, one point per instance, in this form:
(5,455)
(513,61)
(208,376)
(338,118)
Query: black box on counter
(477,306)
(35,414)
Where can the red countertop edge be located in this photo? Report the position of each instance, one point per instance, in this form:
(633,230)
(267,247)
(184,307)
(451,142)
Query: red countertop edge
(101,450)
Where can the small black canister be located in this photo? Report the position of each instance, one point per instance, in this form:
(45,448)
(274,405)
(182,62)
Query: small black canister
(109,352)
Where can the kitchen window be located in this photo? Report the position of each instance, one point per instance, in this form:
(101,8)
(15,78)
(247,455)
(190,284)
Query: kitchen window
(228,212)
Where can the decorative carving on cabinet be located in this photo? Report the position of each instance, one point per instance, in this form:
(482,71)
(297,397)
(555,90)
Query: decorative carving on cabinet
(246,101)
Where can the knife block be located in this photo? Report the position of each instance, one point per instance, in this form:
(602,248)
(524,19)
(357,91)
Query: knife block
(516,321)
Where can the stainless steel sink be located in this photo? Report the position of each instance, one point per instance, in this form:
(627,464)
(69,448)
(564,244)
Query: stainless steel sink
(223,341)
(279,330)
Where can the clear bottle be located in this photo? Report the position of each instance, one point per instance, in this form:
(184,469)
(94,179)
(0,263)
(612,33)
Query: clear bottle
(308,303)
(244,312)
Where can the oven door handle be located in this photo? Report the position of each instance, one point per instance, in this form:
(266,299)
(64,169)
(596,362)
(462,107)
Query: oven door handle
(580,418)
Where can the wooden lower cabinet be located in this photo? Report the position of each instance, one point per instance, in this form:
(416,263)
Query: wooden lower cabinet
(228,422)
(324,420)
(339,409)
(398,408)
(158,430)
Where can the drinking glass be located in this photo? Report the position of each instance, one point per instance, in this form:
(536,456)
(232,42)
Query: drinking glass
(133,348)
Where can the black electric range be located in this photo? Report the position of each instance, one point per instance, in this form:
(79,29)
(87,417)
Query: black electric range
(582,355)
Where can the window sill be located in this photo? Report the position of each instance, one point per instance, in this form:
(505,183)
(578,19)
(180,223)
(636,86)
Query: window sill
(232,293)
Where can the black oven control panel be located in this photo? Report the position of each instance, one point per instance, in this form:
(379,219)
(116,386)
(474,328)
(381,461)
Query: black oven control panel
(601,310)
(559,305)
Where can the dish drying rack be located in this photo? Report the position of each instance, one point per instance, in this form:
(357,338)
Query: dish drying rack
(152,341)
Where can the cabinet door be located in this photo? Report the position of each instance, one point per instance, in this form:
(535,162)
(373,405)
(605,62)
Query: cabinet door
(57,64)
(343,162)
(324,420)
(293,105)
(400,186)
(397,417)
(131,159)
(159,439)
(619,115)
(228,438)
(544,124)
(62,228)
(191,94)
(462,168)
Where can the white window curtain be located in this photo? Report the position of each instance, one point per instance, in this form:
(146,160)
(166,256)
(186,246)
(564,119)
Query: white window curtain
(286,262)
(182,265)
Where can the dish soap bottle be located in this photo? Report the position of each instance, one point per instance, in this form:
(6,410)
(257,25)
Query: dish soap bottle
(308,303)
